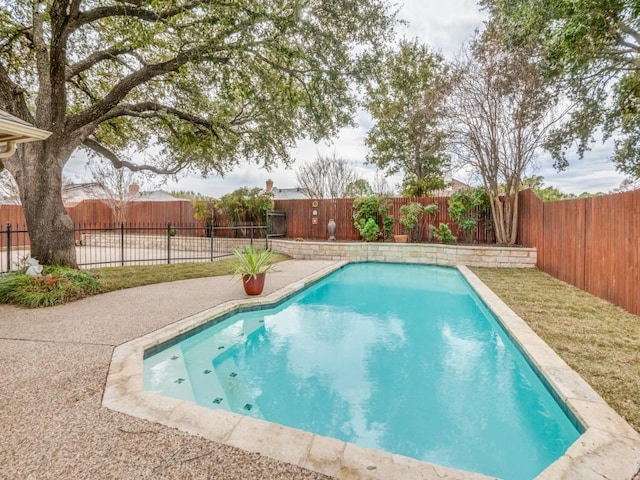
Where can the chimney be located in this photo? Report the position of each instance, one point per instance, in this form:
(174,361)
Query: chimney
(134,189)
(269,185)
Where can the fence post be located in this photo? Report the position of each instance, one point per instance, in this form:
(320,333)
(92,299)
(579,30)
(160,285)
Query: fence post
(251,229)
(122,244)
(266,236)
(168,242)
(8,247)
(211,230)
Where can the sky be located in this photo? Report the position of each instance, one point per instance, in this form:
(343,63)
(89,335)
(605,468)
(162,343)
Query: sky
(444,26)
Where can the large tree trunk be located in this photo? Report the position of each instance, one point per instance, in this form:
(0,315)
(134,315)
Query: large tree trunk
(37,169)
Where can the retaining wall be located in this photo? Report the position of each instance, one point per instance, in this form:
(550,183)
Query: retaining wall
(427,253)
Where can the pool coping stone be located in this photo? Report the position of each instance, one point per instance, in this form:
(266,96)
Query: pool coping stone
(609,448)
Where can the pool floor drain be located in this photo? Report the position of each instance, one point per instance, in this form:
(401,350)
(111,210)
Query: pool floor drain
(207,372)
(248,406)
(217,400)
(233,374)
(174,357)
(179,380)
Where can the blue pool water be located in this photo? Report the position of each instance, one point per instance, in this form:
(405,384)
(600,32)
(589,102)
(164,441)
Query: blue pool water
(401,358)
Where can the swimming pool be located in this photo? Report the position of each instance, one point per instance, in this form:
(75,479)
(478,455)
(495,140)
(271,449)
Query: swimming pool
(400,358)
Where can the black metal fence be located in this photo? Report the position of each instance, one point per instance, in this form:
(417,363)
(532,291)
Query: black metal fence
(140,244)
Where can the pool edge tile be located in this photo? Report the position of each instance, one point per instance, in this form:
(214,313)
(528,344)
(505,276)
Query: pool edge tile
(271,439)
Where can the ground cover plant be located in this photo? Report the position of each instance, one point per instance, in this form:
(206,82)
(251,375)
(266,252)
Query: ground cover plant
(56,285)
(597,339)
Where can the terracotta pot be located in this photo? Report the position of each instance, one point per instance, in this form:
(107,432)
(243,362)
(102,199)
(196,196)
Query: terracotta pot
(400,238)
(253,285)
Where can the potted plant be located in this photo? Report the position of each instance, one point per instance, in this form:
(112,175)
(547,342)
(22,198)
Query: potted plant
(252,266)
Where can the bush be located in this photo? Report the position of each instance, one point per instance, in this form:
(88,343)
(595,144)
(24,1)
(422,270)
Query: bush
(203,212)
(369,230)
(387,223)
(56,285)
(465,209)
(411,217)
(443,233)
(367,214)
(246,205)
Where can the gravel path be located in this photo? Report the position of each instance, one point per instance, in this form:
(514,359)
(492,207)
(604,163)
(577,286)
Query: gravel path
(53,365)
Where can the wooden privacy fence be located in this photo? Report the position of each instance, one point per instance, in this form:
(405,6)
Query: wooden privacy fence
(592,243)
(299,214)
(98,212)
(309,218)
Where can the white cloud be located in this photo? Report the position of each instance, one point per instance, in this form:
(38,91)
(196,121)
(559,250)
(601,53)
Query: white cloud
(594,173)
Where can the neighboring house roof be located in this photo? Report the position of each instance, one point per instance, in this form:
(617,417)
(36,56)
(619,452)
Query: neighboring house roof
(290,193)
(15,130)
(296,193)
(453,187)
(77,193)
(156,196)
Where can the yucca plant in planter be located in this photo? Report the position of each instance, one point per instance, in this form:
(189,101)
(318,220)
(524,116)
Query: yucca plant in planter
(252,266)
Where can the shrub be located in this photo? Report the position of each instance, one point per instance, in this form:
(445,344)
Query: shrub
(465,208)
(367,214)
(387,223)
(411,219)
(443,233)
(56,285)
(246,205)
(369,230)
(203,212)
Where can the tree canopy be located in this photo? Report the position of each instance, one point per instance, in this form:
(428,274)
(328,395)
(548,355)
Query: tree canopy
(205,84)
(593,47)
(405,99)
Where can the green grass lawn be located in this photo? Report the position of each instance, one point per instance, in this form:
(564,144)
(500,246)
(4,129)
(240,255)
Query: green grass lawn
(117,278)
(597,339)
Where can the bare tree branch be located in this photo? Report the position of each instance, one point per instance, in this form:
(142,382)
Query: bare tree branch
(115,184)
(501,114)
(326,177)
